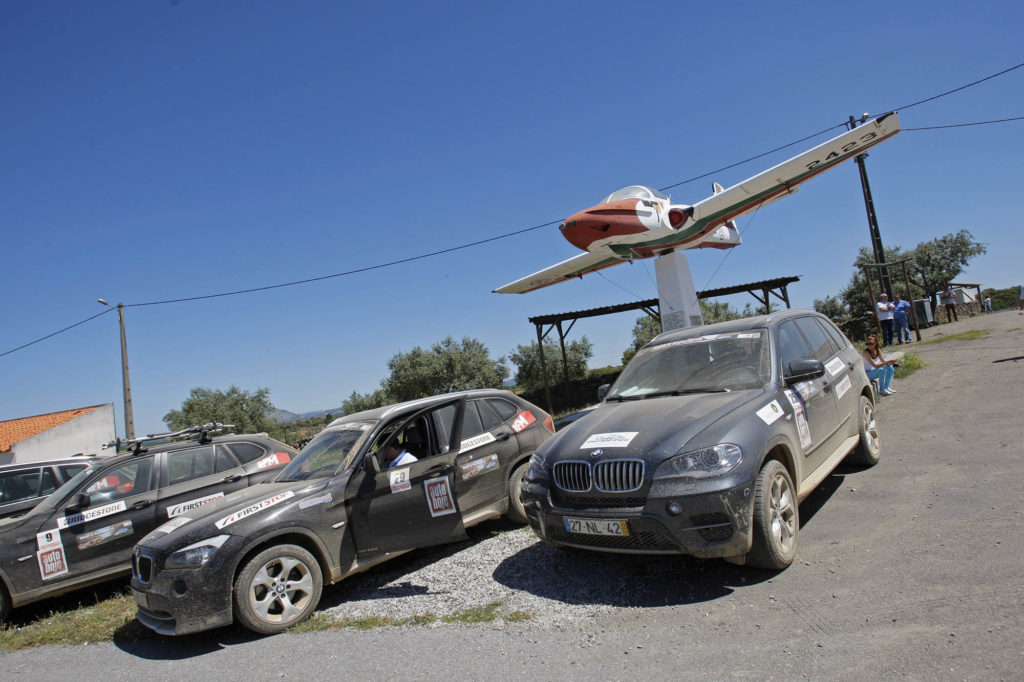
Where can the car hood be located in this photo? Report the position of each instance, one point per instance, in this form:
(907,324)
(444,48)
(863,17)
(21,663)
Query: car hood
(258,506)
(650,429)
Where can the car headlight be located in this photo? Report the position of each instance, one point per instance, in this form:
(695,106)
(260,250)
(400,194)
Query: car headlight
(704,463)
(196,554)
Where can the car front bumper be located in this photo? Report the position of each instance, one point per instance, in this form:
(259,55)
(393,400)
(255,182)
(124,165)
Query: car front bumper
(180,601)
(668,520)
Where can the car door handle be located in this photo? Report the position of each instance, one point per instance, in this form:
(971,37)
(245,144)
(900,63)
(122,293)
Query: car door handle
(142,504)
(230,479)
(503,435)
(826,387)
(444,469)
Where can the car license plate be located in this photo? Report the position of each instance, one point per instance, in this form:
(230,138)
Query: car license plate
(596,526)
(141,598)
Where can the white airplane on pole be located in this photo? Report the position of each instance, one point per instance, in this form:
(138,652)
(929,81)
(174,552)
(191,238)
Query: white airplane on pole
(640,222)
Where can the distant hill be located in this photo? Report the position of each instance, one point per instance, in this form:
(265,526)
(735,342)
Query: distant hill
(284,416)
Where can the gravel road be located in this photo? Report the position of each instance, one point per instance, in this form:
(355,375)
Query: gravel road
(913,569)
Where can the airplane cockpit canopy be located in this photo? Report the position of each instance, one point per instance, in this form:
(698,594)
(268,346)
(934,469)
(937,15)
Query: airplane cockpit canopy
(635,192)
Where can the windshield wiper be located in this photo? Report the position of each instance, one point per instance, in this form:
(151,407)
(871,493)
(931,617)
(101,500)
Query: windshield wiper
(621,398)
(687,391)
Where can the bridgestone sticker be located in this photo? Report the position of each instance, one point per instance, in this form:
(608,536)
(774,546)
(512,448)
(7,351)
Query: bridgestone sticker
(276,459)
(105,534)
(522,421)
(478,466)
(177,523)
(621,439)
(843,386)
(835,366)
(477,441)
(439,496)
(179,509)
(90,514)
(400,480)
(253,509)
(801,418)
(771,412)
(50,556)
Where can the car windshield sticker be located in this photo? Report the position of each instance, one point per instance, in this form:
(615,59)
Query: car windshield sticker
(400,480)
(253,508)
(104,483)
(843,386)
(177,523)
(770,413)
(703,339)
(90,514)
(835,366)
(439,496)
(523,420)
(313,501)
(476,441)
(105,534)
(801,418)
(52,561)
(179,509)
(274,460)
(478,466)
(621,439)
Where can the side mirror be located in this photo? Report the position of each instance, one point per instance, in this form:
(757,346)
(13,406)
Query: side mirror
(602,391)
(803,370)
(80,501)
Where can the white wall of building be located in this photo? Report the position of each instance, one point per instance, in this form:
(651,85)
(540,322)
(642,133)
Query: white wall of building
(87,434)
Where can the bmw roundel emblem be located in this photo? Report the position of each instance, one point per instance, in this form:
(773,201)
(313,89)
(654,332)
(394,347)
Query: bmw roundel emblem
(596,453)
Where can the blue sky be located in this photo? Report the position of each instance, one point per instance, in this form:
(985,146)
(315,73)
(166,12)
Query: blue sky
(165,150)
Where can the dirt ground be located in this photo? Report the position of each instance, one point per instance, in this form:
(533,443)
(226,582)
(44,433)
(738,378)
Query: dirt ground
(913,569)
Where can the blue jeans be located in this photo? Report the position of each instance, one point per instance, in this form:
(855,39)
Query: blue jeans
(884,375)
(887,326)
(902,329)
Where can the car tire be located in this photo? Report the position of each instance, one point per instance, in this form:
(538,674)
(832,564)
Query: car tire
(278,588)
(776,521)
(516,511)
(868,450)
(5,604)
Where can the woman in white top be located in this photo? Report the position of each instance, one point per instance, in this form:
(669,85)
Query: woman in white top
(877,367)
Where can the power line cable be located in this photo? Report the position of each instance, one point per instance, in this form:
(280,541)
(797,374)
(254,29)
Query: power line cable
(965,125)
(528,229)
(59,331)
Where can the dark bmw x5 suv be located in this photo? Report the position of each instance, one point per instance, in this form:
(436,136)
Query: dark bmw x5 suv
(707,442)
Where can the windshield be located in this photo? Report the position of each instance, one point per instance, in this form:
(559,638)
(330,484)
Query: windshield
(634,192)
(328,452)
(63,492)
(710,363)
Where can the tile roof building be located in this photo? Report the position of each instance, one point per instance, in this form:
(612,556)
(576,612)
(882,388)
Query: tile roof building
(57,434)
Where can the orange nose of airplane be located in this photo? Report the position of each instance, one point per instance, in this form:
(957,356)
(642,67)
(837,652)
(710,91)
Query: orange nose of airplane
(614,219)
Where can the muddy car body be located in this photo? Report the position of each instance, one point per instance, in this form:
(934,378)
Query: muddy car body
(707,441)
(84,532)
(262,556)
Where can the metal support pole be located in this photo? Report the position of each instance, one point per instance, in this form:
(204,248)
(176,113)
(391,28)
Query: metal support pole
(544,370)
(876,235)
(129,419)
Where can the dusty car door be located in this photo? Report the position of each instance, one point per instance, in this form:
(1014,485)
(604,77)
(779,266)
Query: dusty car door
(193,477)
(79,540)
(408,506)
(487,448)
(816,396)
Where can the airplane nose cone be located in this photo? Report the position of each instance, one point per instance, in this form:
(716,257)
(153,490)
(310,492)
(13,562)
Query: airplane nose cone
(616,218)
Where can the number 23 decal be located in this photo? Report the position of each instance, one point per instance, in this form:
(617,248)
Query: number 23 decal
(849,146)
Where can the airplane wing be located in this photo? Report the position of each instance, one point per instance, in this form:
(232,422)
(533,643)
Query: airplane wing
(782,180)
(577,266)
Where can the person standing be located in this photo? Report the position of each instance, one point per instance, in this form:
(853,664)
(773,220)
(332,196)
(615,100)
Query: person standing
(1020,310)
(899,317)
(885,312)
(949,300)
(988,304)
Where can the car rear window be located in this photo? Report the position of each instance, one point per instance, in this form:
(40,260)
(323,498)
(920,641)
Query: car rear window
(504,408)
(246,452)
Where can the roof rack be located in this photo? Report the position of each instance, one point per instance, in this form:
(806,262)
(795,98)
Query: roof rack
(203,433)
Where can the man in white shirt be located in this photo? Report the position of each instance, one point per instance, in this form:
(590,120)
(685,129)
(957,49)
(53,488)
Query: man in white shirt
(395,455)
(885,315)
